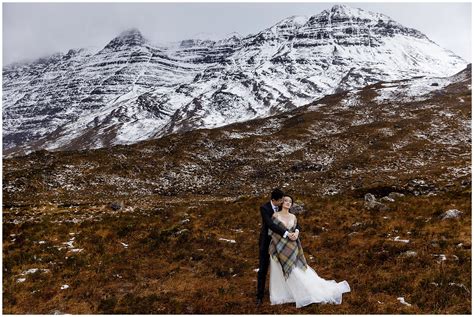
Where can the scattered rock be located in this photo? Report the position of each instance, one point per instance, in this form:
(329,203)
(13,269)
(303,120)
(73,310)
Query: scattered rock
(297,208)
(30,271)
(402,300)
(461,286)
(397,238)
(369,197)
(387,199)
(306,166)
(116,205)
(395,195)
(452,213)
(34,270)
(419,187)
(441,257)
(375,205)
(417,182)
(227,240)
(181,232)
(371,203)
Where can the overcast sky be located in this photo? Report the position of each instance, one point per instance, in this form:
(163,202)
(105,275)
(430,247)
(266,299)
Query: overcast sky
(32,30)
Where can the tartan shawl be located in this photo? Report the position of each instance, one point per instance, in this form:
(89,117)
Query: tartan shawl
(289,253)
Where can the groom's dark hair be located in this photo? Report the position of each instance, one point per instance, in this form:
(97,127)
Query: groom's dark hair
(277,193)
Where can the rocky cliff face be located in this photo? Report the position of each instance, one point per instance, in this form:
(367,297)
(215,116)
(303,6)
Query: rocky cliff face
(132,90)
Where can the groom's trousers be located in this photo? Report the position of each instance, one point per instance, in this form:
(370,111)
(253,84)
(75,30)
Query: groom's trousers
(264,263)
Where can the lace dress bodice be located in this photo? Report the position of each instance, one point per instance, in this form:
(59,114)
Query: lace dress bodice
(291,222)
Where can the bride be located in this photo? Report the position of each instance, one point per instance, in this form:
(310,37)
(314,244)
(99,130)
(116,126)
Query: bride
(291,279)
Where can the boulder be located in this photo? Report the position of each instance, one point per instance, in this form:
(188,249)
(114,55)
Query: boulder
(116,205)
(369,197)
(371,203)
(452,213)
(387,199)
(395,195)
(297,208)
(375,205)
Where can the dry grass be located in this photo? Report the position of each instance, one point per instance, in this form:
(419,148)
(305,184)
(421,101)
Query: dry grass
(172,265)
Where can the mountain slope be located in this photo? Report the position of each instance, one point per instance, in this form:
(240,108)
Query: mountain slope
(412,136)
(132,90)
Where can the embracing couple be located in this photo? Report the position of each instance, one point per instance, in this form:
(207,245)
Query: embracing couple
(291,279)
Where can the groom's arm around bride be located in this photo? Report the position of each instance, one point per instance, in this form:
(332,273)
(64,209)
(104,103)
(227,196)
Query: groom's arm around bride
(266,213)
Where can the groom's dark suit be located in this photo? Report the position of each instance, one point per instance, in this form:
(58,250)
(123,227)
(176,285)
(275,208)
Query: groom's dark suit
(264,242)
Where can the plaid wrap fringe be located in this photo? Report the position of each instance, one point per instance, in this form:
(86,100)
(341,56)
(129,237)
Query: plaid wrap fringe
(288,253)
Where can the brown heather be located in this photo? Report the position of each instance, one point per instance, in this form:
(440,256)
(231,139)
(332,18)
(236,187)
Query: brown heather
(154,219)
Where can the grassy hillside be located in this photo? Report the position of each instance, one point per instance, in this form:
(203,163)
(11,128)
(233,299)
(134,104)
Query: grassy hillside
(164,255)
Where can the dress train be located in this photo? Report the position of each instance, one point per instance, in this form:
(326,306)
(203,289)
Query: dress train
(303,287)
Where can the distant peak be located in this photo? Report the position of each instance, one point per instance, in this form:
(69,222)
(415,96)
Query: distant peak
(348,10)
(231,38)
(345,11)
(340,7)
(295,19)
(233,35)
(130,37)
(132,32)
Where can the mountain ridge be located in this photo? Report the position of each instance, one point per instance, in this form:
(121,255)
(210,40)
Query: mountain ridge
(132,90)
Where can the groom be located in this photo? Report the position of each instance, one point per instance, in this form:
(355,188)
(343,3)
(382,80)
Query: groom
(266,212)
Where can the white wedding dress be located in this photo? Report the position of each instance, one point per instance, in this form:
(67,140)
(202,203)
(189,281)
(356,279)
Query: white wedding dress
(303,287)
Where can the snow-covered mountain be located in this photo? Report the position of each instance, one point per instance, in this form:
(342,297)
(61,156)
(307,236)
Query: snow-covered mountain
(133,90)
